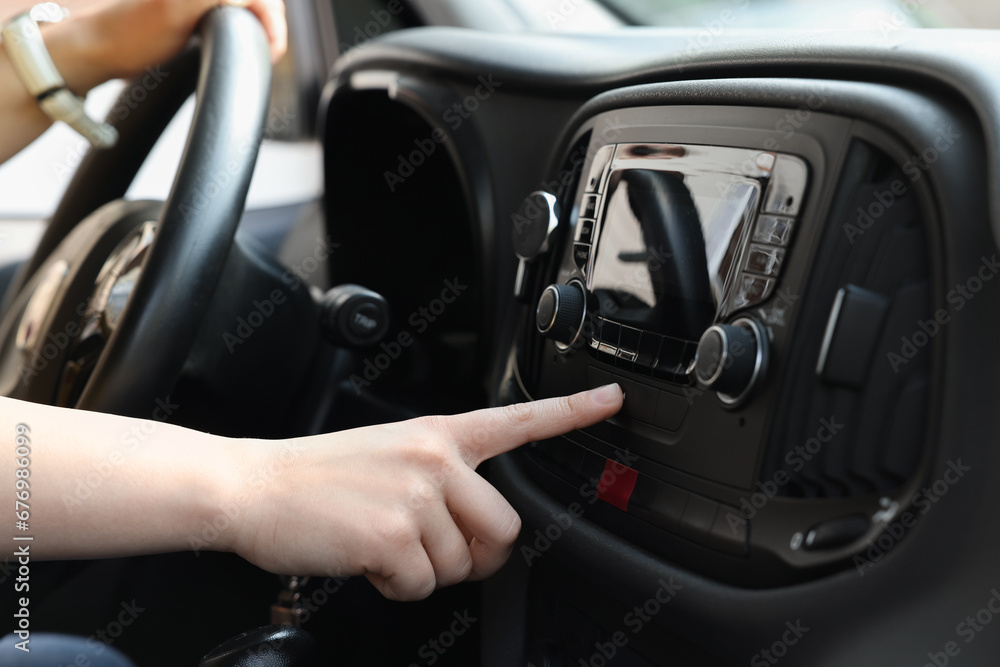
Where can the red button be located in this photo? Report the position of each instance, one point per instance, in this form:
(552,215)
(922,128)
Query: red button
(616,485)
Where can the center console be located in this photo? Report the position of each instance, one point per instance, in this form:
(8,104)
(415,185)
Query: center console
(748,276)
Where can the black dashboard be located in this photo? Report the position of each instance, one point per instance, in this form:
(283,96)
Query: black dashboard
(781,247)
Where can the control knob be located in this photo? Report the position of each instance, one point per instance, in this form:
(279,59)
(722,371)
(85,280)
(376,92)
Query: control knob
(561,312)
(731,359)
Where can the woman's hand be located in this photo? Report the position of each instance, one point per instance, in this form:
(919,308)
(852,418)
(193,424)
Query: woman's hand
(399,503)
(111,39)
(121,38)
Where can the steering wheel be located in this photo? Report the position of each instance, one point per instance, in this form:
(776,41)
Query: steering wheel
(105,313)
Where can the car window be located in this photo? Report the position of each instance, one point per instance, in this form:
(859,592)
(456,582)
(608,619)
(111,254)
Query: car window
(884,15)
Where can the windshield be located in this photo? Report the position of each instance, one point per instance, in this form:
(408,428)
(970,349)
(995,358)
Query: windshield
(882,15)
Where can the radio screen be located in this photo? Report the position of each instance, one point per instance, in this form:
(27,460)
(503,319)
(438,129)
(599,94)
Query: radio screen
(669,247)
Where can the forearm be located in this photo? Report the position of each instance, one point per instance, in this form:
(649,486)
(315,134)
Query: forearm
(76,52)
(105,486)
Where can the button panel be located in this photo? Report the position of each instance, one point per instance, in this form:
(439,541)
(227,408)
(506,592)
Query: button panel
(581,255)
(773,230)
(644,403)
(643,352)
(764,260)
(599,168)
(585,230)
(786,187)
(668,507)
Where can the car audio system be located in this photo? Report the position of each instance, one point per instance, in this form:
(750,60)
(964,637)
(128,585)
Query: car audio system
(700,261)
(670,240)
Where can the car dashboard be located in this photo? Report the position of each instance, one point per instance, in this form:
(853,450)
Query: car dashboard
(782,248)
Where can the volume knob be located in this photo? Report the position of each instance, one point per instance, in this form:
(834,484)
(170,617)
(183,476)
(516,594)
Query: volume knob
(731,359)
(561,312)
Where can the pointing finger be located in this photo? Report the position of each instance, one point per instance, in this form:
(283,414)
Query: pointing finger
(486,433)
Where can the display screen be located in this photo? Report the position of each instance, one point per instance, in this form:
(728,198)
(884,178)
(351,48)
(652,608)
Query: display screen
(669,247)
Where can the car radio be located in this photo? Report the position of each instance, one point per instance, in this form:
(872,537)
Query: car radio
(669,241)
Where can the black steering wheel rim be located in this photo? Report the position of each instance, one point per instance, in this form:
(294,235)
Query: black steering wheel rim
(231,75)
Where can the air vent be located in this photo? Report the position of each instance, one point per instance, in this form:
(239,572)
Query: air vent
(861,427)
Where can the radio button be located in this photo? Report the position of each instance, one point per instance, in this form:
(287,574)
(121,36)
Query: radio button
(658,503)
(640,402)
(698,517)
(753,290)
(670,411)
(671,354)
(629,340)
(649,349)
(626,359)
(581,255)
(610,333)
(773,230)
(764,260)
(585,230)
(788,185)
(729,532)
(607,348)
(598,378)
(599,168)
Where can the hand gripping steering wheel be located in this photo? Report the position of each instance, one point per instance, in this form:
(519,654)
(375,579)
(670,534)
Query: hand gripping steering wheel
(105,313)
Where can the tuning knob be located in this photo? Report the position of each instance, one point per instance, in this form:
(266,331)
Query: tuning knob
(731,359)
(561,312)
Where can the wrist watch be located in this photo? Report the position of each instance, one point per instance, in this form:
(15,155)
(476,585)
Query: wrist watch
(31,60)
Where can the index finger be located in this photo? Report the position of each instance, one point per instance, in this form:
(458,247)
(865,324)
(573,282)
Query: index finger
(486,433)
